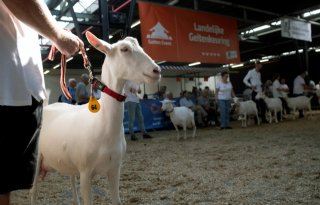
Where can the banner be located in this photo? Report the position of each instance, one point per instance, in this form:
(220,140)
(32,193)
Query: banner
(182,35)
(296,29)
(154,118)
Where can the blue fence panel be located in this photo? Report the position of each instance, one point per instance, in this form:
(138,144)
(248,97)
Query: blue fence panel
(154,118)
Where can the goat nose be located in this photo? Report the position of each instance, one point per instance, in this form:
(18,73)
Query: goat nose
(157,70)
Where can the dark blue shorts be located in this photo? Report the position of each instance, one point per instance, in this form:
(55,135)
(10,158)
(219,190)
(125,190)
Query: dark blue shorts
(19,131)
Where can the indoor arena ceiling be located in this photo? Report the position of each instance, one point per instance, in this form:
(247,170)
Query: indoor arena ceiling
(258,24)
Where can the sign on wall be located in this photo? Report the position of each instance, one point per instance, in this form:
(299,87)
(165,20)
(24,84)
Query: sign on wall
(182,35)
(296,29)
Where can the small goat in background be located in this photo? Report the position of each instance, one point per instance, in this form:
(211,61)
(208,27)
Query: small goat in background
(180,116)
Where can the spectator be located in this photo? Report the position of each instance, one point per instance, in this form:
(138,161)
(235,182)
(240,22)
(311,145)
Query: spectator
(96,93)
(200,113)
(247,94)
(83,90)
(160,94)
(22,87)
(72,84)
(284,88)
(276,93)
(134,108)
(268,88)
(204,102)
(224,94)
(253,81)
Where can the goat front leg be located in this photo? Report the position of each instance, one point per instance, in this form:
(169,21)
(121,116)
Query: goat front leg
(275,116)
(75,195)
(185,131)
(178,135)
(85,187)
(113,176)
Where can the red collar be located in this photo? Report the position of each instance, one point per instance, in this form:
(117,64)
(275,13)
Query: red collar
(99,85)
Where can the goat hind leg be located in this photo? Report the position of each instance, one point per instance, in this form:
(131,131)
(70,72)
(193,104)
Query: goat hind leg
(33,190)
(194,129)
(75,195)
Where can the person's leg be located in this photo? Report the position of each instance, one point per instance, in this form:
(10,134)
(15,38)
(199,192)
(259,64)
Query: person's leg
(5,199)
(222,109)
(18,151)
(131,116)
(141,122)
(253,97)
(140,118)
(227,114)
(263,109)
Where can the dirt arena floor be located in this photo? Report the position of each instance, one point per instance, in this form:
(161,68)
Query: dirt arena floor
(259,165)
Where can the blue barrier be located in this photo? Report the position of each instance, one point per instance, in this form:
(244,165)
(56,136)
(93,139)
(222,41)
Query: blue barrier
(154,118)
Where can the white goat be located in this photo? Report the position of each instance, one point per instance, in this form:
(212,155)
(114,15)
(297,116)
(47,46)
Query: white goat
(180,116)
(318,94)
(75,141)
(245,109)
(299,103)
(274,106)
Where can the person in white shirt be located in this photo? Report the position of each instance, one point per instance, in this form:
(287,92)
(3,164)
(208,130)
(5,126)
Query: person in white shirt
(276,92)
(299,87)
(284,88)
(224,94)
(22,87)
(253,81)
(134,108)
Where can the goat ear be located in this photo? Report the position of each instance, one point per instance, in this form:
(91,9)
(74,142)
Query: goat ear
(99,44)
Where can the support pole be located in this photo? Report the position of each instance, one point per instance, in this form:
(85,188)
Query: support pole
(104,18)
(129,20)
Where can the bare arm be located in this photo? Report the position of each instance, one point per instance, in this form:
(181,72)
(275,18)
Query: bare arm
(36,14)
(233,94)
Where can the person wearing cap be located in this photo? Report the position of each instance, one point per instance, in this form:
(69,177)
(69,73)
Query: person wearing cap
(82,90)
(72,84)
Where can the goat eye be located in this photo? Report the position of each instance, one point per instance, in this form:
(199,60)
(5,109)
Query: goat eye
(124,49)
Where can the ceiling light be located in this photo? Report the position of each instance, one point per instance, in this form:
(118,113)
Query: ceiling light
(311,13)
(193,64)
(46,72)
(276,23)
(56,66)
(135,24)
(160,62)
(173,2)
(237,65)
(317,50)
(69,59)
(264,60)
